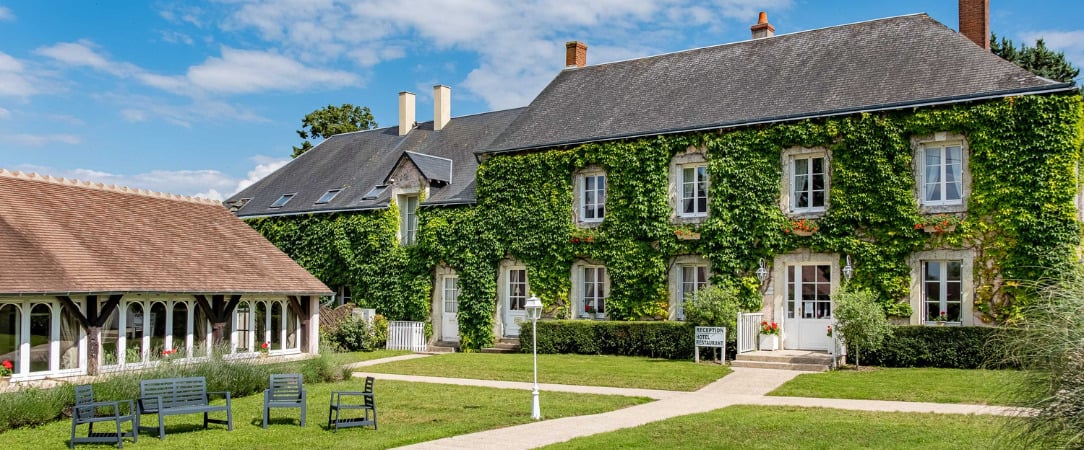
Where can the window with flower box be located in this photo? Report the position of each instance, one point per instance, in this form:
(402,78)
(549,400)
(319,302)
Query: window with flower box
(941,287)
(591,287)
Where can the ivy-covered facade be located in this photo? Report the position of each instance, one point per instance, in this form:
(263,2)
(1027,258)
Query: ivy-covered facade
(944,192)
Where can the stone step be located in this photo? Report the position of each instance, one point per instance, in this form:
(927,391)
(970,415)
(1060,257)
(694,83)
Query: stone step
(779,366)
(438,348)
(785,359)
(503,346)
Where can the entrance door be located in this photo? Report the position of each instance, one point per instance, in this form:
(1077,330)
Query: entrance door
(809,307)
(449,325)
(515,301)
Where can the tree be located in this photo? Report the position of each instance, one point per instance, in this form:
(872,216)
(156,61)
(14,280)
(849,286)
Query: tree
(860,321)
(1038,60)
(331,120)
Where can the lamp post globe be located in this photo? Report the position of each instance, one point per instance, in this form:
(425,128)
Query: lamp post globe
(534,311)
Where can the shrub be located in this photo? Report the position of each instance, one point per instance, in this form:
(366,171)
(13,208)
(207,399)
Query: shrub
(359,335)
(713,306)
(944,346)
(671,340)
(323,368)
(860,321)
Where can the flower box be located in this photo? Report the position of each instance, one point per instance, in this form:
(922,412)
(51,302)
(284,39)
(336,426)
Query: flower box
(686,235)
(939,229)
(769,342)
(798,232)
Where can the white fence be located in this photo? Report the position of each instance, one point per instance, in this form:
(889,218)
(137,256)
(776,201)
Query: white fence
(406,336)
(748,330)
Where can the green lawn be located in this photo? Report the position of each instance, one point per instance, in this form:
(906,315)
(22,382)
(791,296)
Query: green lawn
(588,370)
(912,385)
(792,427)
(408,413)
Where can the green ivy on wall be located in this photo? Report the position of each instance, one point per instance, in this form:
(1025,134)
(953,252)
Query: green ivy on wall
(1020,220)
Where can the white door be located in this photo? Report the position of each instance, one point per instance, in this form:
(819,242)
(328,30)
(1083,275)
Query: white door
(809,307)
(449,325)
(515,301)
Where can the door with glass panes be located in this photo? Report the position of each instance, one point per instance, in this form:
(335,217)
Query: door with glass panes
(808,307)
(449,325)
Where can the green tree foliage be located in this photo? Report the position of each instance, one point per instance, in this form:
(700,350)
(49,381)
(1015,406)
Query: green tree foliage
(860,321)
(331,120)
(1039,59)
(713,306)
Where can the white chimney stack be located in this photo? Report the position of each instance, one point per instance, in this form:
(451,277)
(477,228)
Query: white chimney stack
(406,112)
(442,106)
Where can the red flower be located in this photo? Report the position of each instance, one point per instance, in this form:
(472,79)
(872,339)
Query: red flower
(8,364)
(265,345)
(168,352)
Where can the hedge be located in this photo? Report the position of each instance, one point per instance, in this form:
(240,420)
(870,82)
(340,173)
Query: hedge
(945,347)
(657,339)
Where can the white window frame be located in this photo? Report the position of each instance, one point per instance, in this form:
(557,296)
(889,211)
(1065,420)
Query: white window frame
(24,310)
(451,295)
(595,274)
(794,307)
(941,141)
(701,274)
(918,291)
(408,219)
(599,196)
(788,199)
(517,302)
(677,278)
(695,182)
(943,284)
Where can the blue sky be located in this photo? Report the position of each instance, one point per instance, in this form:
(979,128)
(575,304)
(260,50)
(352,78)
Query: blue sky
(202,97)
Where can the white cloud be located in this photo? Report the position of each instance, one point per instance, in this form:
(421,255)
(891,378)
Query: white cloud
(133,115)
(6,14)
(14,79)
(176,37)
(39,140)
(245,71)
(84,54)
(264,166)
(1069,42)
(519,44)
(5,114)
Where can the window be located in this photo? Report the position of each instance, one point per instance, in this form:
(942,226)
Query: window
(328,196)
(256,322)
(451,295)
(807,184)
(375,192)
(344,296)
(593,198)
(517,289)
(809,291)
(691,278)
(282,201)
(941,172)
(694,191)
(593,292)
(408,219)
(942,289)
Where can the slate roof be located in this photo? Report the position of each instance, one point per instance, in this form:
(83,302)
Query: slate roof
(66,237)
(881,64)
(355,162)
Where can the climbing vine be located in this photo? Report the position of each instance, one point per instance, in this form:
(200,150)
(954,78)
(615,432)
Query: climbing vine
(1020,219)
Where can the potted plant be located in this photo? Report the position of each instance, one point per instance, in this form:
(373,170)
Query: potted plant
(588,311)
(802,227)
(6,369)
(769,336)
(264,349)
(686,234)
(938,223)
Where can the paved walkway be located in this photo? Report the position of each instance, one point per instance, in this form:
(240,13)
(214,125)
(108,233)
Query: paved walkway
(745,386)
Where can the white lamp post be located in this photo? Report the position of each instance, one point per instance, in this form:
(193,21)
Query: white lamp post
(534,311)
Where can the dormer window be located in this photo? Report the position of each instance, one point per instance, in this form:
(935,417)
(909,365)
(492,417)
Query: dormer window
(375,192)
(282,201)
(328,196)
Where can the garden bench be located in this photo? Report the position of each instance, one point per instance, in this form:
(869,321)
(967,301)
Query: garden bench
(170,396)
(89,412)
(284,391)
(341,402)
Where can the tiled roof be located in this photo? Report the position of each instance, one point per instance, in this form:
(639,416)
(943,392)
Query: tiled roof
(875,65)
(61,236)
(355,162)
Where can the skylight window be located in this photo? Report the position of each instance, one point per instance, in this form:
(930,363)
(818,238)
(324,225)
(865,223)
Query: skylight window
(328,196)
(375,192)
(282,200)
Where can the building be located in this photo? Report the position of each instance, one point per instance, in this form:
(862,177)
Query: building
(98,278)
(625,187)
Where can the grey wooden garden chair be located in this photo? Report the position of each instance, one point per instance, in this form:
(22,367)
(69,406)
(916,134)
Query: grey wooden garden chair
(285,391)
(89,412)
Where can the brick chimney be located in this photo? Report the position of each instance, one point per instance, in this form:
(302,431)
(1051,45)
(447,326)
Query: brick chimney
(442,106)
(406,112)
(975,21)
(575,54)
(762,29)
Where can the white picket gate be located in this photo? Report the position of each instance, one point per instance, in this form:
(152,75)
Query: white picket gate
(748,331)
(404,335)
